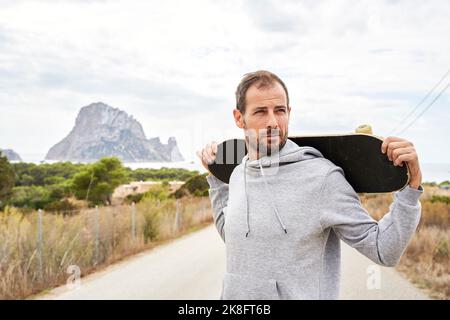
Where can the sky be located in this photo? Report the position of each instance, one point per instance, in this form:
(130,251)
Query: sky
(174,66)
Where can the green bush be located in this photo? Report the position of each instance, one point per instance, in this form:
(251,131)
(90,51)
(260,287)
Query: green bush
(151,226)
(196,186)
(440,253)
(199,193)
(180,193)
(64,206)
(162,174)
(54,180)
(444,199)
(136,198)
(35,197)
(6,178)
(28,174)
(158,192)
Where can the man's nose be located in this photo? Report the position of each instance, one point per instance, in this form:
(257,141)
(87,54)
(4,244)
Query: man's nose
(272,121)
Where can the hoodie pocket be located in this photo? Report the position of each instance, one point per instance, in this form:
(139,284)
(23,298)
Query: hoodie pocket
(239,287)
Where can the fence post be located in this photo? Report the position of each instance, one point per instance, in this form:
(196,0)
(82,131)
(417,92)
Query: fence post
(177,217)
(39,244)
(113,231)
(133,221)
(97,234)
(203,211)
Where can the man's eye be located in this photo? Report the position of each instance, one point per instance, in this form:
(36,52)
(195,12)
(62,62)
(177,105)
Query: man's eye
(259,111)
(282,110)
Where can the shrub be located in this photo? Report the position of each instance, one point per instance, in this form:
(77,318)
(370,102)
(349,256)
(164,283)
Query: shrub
(64,206)
(197,186)
(136,198)
(157,192)
(6,178)
(444,199)
(35,197)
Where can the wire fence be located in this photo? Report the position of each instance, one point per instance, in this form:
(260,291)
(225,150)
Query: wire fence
(37,249)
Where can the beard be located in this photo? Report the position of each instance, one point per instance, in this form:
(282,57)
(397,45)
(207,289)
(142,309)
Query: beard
(264,142)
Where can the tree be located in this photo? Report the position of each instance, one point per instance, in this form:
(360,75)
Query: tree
(97,182)
(35,197)
(197,186)
(7,177)
(162,174)
(30,174)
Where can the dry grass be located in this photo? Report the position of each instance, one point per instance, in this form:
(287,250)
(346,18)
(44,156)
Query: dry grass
(426,260)
(88,239)
(72,240)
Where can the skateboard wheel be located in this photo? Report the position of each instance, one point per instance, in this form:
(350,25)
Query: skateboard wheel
(364,128)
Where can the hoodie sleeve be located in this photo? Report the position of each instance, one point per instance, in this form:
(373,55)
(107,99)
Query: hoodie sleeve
(218,194)
(384,241)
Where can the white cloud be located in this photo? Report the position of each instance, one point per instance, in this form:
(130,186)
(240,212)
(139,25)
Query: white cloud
(175,65)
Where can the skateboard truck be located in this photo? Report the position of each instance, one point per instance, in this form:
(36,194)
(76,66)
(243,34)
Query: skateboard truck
(364,128)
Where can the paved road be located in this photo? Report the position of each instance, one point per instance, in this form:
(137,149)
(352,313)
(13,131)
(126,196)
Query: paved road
(192,268)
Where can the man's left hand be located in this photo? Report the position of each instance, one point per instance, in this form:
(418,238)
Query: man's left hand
(400,150)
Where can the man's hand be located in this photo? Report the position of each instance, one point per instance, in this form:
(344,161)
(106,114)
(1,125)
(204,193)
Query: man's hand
(400,150)
(208,154)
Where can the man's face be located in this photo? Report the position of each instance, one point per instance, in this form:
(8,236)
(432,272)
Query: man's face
(266,119)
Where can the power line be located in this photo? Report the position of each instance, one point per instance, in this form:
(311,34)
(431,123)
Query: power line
(427,107)
(422,101)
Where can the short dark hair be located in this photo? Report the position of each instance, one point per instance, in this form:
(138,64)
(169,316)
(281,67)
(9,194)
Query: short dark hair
(263,79)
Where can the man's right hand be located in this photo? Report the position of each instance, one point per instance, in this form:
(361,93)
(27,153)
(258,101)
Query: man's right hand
(208,154)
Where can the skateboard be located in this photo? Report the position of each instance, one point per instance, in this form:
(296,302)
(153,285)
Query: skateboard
(358,154)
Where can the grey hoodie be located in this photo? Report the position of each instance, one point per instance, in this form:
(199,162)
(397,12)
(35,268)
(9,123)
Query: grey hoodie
(282,218)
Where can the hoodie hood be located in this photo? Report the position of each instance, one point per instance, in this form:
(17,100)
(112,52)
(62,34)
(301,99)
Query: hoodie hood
(290,153)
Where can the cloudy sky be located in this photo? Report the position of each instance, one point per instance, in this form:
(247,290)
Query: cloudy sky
(174,66)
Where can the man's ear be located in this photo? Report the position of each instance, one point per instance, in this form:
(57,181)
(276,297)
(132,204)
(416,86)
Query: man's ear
(238,118)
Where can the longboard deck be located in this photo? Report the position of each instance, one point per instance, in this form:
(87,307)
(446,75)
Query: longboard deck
(359,155)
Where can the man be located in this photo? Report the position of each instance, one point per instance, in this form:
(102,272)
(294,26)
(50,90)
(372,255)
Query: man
(282,231)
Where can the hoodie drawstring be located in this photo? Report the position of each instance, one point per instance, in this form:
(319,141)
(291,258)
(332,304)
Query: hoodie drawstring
(268,192)
(290,153)
(271,200)
(246,197)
